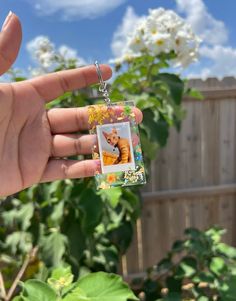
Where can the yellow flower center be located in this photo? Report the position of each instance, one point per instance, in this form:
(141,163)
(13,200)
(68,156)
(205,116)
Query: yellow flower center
(137,40)
(62,281)
(154,31)
(159,42)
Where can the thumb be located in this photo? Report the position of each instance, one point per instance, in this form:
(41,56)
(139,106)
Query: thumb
(10,41)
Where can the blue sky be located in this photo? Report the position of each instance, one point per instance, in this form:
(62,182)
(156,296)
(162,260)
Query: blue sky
(89,26)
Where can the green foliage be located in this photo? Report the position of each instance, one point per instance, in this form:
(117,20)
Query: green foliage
(199,267)
(36,290)
(158,95)
(60,287)
(69,222)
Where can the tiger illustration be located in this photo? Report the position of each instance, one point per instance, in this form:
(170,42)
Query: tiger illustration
(122,144)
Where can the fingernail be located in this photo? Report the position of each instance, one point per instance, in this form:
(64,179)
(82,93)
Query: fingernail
(6,22)
(95,141)
(97,166)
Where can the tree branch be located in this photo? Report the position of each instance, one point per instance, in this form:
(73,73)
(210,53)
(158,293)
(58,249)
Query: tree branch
(2,287)
(21,272)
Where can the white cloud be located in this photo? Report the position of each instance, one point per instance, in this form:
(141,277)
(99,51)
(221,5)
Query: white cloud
(217,58)
(127,26)
(203,23)
(74,9)
(223,62)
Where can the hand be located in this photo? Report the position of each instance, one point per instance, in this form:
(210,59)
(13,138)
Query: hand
(30,136)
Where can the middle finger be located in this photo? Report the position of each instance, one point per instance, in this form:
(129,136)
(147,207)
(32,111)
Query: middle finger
(70,145)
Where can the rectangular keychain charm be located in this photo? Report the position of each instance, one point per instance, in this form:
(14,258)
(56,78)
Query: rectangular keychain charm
(118,145)
(118,142)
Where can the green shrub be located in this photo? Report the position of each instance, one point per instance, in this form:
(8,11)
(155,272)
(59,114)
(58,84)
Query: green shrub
(200,267)
(69,222)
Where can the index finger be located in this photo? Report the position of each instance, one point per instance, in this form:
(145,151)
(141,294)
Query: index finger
(53,85)
(71,120)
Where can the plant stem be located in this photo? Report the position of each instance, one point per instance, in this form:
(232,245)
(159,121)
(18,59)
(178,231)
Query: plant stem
(2,287)
(21,272)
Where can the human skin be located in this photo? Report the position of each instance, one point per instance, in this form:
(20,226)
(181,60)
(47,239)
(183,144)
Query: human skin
(34,141)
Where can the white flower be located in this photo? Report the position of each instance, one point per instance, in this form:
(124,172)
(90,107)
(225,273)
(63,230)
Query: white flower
(159,43)
(126,57)
(136,43)
(184,59)
(46,59)
(157,13)
(152,27)
(47,56)
(162,31)
(42,51)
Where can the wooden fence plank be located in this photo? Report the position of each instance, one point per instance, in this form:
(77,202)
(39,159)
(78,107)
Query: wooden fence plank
(227,158)
(193,180)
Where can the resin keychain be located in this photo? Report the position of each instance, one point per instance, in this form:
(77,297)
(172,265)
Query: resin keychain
(118,142)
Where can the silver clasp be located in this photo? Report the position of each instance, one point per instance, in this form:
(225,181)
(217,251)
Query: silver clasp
(103,85)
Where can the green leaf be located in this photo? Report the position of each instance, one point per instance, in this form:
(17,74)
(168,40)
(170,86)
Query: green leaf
(194,94)
(173,284)
(131,202)
(193,233)
(25,214)
(105,287)
(226,250)
(36,290)
(228,290)
(20,215)
(164,264)
(54,186)
(19,240)
(121,237)
(203,299)
(172,296)
(112,196)
(204,277)
(18,298)
(157,129)
(53,248)
(152,289)
(57,213)
(61,272)
(149,148)
(218,266)
(19,79)
(76,238)
(215,234)
(178,246)
(175,85)
(91,206)
(76,295)
(187,268)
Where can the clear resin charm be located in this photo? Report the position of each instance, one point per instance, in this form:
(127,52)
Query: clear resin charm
(118,145)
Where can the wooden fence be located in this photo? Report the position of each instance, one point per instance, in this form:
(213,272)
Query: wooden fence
(193,180)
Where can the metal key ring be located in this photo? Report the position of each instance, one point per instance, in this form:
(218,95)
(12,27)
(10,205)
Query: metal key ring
(103,85)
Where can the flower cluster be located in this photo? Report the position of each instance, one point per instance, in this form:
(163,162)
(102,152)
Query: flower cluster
(48,57)
(42,50)
(162,31)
